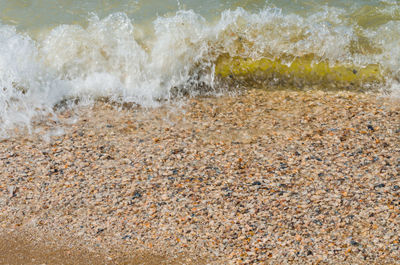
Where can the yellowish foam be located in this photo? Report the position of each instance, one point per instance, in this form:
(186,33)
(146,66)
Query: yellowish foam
(299,69)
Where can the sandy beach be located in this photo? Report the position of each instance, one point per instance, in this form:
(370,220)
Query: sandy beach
(265,177)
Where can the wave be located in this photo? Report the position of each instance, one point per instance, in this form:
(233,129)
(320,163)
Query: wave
(185,54)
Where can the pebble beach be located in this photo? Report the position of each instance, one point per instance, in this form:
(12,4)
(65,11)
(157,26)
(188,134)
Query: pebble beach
(262,177)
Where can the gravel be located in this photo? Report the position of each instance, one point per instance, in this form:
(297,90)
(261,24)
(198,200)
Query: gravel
(262,177)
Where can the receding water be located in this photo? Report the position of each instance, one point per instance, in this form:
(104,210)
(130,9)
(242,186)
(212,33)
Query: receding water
(145,52)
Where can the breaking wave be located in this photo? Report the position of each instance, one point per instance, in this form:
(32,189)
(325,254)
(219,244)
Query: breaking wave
(187,54)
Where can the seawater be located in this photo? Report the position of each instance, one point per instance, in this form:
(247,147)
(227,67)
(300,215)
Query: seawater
(148,51)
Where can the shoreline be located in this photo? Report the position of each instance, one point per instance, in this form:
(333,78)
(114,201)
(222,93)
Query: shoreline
(267,176)
(32,246)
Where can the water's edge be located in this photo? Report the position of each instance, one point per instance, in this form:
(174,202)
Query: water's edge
(185,52)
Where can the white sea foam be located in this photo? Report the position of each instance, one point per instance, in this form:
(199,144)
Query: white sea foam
(27,87)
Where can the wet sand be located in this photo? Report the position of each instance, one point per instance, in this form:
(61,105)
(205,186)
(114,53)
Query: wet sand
(28,248)
(263,177)
(16,248)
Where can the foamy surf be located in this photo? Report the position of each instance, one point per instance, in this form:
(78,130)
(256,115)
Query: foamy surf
(185,53)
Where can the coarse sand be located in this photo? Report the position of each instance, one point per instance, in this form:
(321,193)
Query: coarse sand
(264,177)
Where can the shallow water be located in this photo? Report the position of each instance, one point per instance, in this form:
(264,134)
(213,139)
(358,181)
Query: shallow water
(144,52)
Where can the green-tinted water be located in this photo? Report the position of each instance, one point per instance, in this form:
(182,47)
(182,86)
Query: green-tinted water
(35,14)
(45,13)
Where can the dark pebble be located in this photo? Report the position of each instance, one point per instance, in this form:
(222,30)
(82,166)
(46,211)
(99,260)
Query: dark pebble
(318,222)
(370,127)
(256,183)
(136,195)
(126,237)
(283,165)
(381,185)
(354,243)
